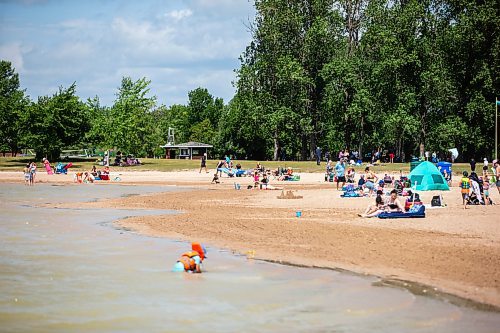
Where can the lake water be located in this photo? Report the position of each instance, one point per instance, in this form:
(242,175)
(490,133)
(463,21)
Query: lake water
(70,270)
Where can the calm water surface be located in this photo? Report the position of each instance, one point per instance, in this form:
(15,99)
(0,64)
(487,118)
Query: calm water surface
(70,270)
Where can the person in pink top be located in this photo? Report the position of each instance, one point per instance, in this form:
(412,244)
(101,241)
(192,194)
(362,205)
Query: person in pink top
(47,166)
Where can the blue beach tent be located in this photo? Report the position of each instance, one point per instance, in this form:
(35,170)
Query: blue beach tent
(428,178)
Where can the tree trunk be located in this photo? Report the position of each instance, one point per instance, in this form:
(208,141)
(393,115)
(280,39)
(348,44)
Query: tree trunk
(360,147)
(276,146)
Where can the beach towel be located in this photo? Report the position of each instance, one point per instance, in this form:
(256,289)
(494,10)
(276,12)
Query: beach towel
(417,211)
(350,194)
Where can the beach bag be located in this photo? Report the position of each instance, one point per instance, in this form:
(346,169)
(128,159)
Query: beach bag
(436,201)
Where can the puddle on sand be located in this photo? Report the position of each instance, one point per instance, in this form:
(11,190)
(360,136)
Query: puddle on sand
(68,270)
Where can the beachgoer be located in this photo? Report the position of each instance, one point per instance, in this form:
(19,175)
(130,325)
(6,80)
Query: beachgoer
(215,179)
(340,172)
(219,167)
(328,170)
(351,174)
(204,163)
(191,261)
(485,162)
(496,167)
(393,204)
(47,166)
(361,181)
(370,180)
(78,178)
(374,210)
(94,172)
(27,175)
(391,157)
(465,188)
(472,165)
(264,182)
(32,173)
(318,155)
(486,188)
(88,177)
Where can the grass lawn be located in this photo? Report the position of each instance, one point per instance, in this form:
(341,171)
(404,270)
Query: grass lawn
(18,163)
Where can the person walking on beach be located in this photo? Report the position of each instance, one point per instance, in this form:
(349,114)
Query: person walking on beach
(204,163)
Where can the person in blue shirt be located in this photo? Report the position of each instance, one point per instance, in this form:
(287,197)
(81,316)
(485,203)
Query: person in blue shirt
(340,172)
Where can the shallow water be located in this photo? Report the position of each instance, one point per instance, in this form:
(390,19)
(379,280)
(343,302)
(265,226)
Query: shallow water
(70,270)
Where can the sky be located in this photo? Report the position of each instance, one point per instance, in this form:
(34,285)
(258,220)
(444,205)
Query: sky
(179,45)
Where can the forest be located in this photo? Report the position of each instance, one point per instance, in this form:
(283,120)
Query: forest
(350,74)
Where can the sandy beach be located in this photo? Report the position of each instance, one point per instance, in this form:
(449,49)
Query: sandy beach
(452,250)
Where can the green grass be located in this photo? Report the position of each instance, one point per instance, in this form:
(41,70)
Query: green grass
(149,164)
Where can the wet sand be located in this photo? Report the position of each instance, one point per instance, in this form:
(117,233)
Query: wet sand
(453,250)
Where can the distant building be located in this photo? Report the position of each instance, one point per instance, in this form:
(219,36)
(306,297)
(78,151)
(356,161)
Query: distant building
(189,150)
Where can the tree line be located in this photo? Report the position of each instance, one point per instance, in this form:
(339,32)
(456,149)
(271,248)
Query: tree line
(350,74)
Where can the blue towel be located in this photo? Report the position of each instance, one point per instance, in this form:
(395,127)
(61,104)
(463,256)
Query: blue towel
(414,212)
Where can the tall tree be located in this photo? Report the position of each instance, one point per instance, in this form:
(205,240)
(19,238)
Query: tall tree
(55,122)
(130,127)
(13,104)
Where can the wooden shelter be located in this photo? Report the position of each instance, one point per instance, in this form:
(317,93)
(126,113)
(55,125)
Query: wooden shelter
(189,150)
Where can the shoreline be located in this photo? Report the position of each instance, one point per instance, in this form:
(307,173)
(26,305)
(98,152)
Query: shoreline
(442,251)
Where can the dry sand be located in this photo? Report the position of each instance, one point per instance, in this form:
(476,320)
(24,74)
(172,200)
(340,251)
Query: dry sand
(453,250)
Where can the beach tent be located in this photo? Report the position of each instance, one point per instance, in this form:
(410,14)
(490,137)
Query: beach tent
(428,178)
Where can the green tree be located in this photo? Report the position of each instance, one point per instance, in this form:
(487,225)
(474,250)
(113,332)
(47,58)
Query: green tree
(130,126)
(55,122)
(13,104)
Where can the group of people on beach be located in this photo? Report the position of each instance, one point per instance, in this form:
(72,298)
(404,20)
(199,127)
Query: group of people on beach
(92,175)
(29,174)
(476,189)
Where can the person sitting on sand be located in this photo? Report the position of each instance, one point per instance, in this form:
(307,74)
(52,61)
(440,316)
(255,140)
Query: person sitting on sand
(215,179)
(329,170)
(351,174)
(393,204)
(88,177)
(288,175)
(264,182)
(370,180)
(374,210)
(191,261)
(94,172)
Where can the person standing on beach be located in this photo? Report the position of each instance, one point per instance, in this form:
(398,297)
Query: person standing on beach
(318,155)
(496,167)
(32,173)
(465,188)
(27,175)
(204,163)
(340,172)
(472,165)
